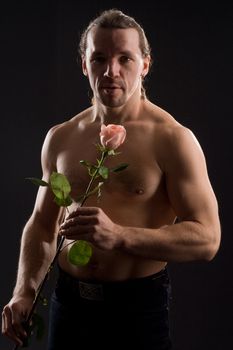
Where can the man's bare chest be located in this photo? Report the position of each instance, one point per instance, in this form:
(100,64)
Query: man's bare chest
(143,176)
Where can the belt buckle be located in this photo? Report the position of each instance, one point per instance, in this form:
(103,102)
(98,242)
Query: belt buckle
(91,291)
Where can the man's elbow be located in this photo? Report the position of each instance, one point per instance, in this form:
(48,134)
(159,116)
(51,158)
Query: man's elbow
(213,245)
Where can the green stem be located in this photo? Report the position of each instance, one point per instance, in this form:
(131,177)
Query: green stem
(59,248)
(103,156)
(40,288)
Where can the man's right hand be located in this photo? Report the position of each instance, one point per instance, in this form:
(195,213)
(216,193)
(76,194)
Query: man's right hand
(14,315)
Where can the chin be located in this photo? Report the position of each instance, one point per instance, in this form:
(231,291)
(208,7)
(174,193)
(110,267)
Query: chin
(113,103)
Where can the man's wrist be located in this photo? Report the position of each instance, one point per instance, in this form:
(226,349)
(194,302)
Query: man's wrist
(24,292)
(120,233)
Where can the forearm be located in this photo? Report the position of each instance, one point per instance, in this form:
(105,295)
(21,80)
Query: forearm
(36,253)
(184,241)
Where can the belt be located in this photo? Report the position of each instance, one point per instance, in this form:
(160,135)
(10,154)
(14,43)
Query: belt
(102,290)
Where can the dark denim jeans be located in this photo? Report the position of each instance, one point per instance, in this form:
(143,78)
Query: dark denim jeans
(110,315)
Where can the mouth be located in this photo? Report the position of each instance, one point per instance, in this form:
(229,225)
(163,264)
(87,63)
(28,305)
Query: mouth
(110,84)
(110,90)
(110,87)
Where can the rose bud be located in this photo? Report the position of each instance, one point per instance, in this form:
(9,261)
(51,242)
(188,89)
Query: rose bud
(112,136)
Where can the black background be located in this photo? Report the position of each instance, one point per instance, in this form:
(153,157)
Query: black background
(42,85)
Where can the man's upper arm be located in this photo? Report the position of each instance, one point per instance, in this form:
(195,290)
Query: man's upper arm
(188,185)
(46,211)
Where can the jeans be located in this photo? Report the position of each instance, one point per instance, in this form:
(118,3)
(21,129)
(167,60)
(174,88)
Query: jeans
(124,315)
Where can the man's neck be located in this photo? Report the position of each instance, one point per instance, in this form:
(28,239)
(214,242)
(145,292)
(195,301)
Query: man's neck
(118,115)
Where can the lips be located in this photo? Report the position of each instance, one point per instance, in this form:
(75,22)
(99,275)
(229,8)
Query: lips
(110,87)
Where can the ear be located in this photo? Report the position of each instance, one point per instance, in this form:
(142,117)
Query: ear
(84,66)
(146,65)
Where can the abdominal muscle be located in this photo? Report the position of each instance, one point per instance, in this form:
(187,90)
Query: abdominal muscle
(110,265)
(114,265)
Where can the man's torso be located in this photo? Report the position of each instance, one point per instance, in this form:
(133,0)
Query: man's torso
(135,197)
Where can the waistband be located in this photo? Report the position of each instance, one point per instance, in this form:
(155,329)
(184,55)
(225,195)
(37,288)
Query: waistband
(102,290)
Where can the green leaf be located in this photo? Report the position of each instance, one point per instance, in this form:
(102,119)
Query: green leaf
(91,168)
(120,167)
(63,202)
(103,171)
(60,185)
(80,253)
(37,181)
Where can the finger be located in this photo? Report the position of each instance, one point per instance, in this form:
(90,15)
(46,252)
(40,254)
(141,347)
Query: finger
(84,219)
(79,220)
(84,211)
(77,231)
(3,323)
(18,321)
(8,328)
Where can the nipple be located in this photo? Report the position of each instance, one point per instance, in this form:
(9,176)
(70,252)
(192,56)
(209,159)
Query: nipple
(139,191)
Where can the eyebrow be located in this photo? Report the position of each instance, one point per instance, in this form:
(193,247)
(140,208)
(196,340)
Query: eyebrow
(125,52)
(96,53)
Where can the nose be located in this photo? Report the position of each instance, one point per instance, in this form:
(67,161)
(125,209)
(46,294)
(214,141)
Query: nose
(112,69)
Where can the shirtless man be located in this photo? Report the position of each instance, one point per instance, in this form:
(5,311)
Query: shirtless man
(132,229)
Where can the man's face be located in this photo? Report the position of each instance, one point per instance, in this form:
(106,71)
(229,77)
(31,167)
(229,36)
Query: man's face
(114,65)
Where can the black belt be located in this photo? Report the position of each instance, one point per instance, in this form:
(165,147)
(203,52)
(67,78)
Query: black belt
(102,290)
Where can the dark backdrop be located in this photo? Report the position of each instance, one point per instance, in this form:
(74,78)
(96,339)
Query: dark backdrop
(42,85)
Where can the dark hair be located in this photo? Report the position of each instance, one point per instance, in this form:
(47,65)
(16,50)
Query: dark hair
(111,19)
(115,19)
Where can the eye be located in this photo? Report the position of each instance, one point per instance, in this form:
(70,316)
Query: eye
(98,59)
(125,59)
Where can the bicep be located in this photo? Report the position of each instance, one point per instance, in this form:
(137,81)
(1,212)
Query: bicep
(188,185)
(46,211)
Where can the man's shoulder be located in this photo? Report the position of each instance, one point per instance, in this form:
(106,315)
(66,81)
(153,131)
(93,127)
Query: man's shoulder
(174,134)
(61,129)
(177,141)
(165,124)
(169,134)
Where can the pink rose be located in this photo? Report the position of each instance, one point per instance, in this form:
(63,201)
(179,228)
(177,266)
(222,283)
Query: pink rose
(112,136)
